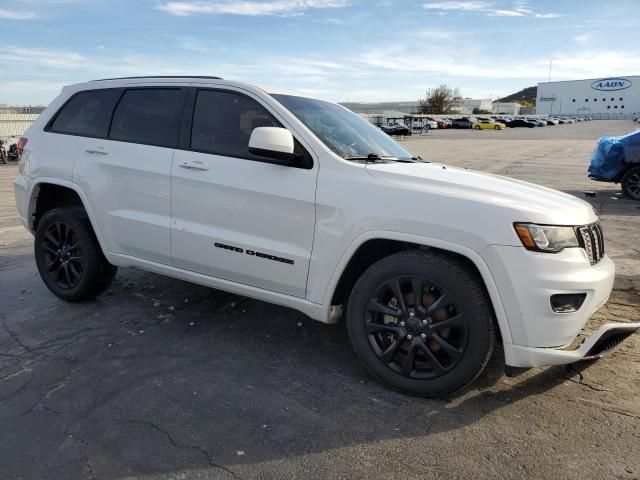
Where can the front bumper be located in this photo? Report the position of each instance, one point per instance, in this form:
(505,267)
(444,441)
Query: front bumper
(539,336)
(526,280)
(602,342)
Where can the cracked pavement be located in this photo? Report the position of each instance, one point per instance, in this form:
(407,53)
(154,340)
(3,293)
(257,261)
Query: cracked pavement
(161,379)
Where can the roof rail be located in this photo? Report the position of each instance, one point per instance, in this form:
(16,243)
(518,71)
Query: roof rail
(158,76)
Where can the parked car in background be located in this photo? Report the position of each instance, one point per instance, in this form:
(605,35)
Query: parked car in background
(519,122)
(617,159)
(419,125)
(396,129)
(551,121)
(431,123)
(537,121)
(465,122)
(443,122)
(486,124)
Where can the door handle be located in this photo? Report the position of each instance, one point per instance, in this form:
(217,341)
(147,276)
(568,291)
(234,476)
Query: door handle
(97,150)
(195,165)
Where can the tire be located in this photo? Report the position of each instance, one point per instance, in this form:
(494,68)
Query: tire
(454,316)
(496,127)
(631,183)
(477,127)
(68,255)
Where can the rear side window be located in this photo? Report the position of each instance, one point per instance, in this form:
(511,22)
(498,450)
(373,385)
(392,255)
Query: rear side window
(87,113)
(149,116)
(223,122)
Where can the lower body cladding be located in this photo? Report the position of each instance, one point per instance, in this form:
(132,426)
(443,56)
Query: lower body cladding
(533,288)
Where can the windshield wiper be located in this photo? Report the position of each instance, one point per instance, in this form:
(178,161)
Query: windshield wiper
(373,157)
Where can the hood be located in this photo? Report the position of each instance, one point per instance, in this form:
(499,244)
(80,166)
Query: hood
(527,201)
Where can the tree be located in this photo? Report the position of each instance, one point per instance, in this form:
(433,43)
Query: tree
(440,100)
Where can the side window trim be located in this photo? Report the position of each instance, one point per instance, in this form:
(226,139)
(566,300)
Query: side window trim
(189,113)
(49,126)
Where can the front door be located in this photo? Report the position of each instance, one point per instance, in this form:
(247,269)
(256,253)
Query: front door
(235,216)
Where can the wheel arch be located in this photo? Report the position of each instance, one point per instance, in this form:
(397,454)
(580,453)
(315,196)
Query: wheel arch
(372,246)
(624,170)
(53,193)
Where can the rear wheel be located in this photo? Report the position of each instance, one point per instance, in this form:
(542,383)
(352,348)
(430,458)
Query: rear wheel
(496,127)
(421,323)
(68,256)
(477,127)
(631,183)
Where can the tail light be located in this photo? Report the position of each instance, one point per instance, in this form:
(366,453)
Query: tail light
(21,144)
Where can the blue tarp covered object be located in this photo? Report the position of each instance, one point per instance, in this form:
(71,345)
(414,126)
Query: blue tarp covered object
(613,154)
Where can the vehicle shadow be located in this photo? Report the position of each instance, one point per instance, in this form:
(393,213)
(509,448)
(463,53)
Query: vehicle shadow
(201,378)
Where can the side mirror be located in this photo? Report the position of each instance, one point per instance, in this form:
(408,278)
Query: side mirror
(275,143)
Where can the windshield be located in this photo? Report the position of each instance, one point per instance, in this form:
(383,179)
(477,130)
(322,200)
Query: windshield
(342,131)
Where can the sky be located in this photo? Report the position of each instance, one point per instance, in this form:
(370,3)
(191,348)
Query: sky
(338,50)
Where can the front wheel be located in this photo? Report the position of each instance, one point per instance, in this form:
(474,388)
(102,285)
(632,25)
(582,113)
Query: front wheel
(421,323)
(68,255)
(631,183)
(477,127)
(496,127)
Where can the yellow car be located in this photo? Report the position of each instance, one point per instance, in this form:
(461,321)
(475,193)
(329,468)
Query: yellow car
(488,125)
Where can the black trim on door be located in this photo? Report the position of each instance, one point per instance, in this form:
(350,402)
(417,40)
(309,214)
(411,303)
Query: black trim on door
(187,119)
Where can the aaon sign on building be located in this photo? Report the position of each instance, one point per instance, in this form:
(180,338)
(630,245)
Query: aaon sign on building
(611,84)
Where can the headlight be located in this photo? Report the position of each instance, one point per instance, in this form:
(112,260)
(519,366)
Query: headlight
(546,238)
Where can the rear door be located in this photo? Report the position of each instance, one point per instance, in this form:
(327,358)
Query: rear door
(236,216)
(127,176)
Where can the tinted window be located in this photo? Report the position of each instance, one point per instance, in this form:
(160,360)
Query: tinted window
(87,113)
(150,116)
(223,122)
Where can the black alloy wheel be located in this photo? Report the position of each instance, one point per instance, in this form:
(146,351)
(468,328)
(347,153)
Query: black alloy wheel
(421,322)
(415,327)
(631,183)
(68,255)
(63,255)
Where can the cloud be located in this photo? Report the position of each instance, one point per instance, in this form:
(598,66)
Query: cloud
(520,9)
(247,7)
(459,6)
(506,13)
(547,15)
(16,15)
(582,38)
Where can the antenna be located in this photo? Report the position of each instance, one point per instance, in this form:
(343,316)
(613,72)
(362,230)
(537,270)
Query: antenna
(550,64)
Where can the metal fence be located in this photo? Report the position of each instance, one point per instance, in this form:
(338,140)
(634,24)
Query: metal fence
(13,124)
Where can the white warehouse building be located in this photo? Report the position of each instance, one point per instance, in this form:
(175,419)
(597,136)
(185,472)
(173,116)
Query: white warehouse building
(614,97)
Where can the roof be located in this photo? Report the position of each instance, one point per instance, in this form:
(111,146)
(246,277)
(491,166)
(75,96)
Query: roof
(158,76)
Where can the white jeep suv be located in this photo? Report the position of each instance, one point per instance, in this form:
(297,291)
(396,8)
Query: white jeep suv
(300,202)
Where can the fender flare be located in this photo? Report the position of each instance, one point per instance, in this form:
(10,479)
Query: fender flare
(35,188)
(472,255)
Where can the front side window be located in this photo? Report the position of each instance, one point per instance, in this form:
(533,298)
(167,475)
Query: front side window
(149,116)
(87,113)
(223,122)
(344,132)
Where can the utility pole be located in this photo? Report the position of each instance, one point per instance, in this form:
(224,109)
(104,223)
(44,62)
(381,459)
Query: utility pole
(550,64)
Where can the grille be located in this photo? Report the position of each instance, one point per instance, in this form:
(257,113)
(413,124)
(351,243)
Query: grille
(592,241)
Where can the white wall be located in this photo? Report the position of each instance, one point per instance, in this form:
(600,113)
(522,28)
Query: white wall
(612,96)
